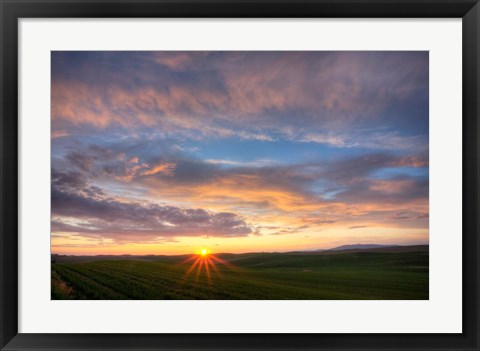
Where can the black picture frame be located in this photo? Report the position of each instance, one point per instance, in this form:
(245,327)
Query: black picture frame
(12,11)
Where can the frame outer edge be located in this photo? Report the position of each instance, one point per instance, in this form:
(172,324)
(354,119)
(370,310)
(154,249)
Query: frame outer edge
(2,268)
(8,175)
(9,14)
(471,173)
(477,91)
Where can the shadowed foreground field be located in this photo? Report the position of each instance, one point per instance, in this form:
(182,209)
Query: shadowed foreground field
(354,275)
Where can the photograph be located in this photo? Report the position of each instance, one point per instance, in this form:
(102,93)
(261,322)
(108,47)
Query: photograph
(239,175)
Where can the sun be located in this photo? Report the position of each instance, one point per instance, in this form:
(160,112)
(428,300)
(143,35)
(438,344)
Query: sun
(203,252)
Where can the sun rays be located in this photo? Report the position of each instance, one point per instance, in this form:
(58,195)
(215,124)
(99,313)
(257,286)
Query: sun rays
(205,263)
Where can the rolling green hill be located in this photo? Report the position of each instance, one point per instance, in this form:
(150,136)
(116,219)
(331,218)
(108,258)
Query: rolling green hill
(271,276)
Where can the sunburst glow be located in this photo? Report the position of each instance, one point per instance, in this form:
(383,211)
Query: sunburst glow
(204,262)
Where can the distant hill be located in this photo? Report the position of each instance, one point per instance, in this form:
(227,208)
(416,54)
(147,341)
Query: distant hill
(385,249)
(360,247)
(344,249)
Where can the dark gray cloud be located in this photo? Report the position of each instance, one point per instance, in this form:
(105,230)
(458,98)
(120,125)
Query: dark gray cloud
(409,215)
(72,197)
(358,226)
(397,190)
(350,169)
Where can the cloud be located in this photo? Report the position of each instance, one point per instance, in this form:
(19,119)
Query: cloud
(384,141)
(256,163)
(288,231)
(351,169)
(248,95)
(285,192)
(163,168)
(129,172)
(80,208)
(408,215)
(309,186)
(358,226)
(79,160)
(59,134)
(66,180)
(176,61)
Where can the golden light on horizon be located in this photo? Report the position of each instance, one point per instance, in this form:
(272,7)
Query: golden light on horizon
(204,252)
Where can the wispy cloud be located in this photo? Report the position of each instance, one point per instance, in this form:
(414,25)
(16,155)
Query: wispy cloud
(59,134)
(246,95)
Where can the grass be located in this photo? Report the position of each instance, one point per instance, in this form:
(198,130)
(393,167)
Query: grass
(262,276)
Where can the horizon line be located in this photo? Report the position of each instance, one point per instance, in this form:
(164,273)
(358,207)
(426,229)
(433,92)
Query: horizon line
(243,253)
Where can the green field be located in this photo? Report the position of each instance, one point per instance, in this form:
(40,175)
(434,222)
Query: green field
(258,276)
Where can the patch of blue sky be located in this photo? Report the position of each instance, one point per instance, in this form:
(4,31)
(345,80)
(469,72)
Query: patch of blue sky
(281,151)
(392,172)
(331,195)
(324,189)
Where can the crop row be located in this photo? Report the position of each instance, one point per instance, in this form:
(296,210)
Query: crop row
(162,280)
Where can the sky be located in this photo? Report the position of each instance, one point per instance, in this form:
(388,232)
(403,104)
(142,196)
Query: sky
(172,152)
